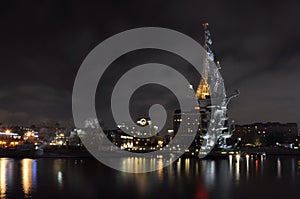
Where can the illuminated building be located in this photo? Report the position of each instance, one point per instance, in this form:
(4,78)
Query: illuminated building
(9,139)
(136,132)
(59,140)
(133,141)
(188,121)
(16,136)
(74,138)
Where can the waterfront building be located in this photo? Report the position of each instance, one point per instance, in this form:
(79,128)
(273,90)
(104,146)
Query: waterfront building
(266,134)
(133,141)
(11,137)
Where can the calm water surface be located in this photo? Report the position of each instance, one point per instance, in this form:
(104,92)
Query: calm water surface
(236,177)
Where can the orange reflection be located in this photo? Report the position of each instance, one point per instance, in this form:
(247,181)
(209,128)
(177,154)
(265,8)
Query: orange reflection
(3,179)
(187,166)
(256,167)
(160,171)
(27,176)
(142,182)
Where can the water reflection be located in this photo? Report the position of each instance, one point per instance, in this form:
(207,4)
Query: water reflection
(160,172)
(187,166)
(247,166)
(58,168)
(230,165)
(223,174)
(136,164)
(298,167)
(209,171)
(9,172)
(185,178)
(278,168)
(28,169)
(6,176)
(256,167)
(3,180)
(141,183)
(235,169)
(293,169)
(178,166)
(60,179)
(237,166)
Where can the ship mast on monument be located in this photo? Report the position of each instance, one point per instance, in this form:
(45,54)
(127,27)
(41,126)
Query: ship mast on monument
(211,77)
(211,111)
(203,89)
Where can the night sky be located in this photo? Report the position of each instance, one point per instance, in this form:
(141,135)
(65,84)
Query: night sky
(43,44)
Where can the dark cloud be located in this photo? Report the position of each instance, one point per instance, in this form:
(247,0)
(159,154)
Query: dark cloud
(44,42)
(29,103)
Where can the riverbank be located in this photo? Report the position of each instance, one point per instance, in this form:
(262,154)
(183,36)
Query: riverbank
(73,152)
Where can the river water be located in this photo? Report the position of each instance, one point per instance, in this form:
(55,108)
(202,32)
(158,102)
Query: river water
(236,177)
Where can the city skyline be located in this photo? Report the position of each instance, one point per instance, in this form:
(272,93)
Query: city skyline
(149,99)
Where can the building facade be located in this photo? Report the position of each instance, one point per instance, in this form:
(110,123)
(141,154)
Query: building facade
(266,134)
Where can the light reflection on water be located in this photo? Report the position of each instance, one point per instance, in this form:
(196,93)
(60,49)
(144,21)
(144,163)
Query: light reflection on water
(28,170)
(278,168)
(58,171)
(8,173)
(185,178)
(3,180)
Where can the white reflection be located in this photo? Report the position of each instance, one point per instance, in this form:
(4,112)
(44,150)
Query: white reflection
(262,159)
(237,171)
(60,179)
(247,167)
(278,168)
(230,165)
(210,173)
(58,168)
